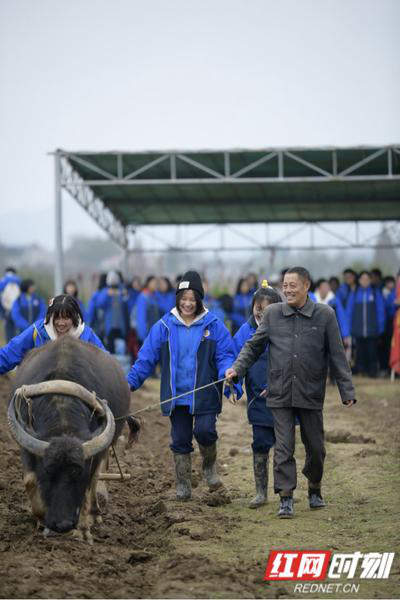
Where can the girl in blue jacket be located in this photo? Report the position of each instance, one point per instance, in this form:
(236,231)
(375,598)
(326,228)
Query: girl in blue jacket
(28,307)
(194,348)
(259,415)
(63,317)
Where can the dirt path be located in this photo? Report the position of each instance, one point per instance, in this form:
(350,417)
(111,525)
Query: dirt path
(152,546)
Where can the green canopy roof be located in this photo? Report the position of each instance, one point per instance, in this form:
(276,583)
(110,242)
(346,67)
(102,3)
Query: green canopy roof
(239,186)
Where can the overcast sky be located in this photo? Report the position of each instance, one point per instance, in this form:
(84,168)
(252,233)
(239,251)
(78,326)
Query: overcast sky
(183,74)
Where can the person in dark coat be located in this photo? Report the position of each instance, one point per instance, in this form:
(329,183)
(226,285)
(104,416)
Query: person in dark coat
(303,338)
(194,349)
(259,415)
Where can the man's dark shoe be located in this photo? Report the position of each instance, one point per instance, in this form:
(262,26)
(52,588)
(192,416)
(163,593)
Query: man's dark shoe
(286,508)
(315,499)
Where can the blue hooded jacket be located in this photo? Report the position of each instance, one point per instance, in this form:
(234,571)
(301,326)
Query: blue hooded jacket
(27,309)
(255,379)
(211,354)
(366,312)
(35,336)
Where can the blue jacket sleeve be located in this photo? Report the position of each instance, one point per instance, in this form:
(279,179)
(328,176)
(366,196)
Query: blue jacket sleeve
(380,311)
(342,318)
(13,353)
(102,299)
(349,309)
(141,316)
(148,357)
(390,304)
(17,317)
(93,339)
(240,338)
(225,353)
(91,311)
(42,309)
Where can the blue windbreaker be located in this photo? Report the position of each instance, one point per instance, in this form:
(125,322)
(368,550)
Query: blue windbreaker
(390,305)
(255,379)
(366,312)
(34,336)
(341,316)
(115,307)
(241,309)
(166,301)
(212,354)
(26,310)
(344,292)
(147,313)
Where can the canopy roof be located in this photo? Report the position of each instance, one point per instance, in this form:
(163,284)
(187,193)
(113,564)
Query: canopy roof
(241,186)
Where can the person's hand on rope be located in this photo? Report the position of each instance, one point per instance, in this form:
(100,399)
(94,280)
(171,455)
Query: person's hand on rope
(231,376)
(349,402)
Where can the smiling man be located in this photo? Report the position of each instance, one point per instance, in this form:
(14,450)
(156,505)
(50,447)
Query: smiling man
(303,339)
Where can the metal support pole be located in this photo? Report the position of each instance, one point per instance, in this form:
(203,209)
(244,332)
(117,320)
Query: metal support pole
(59,258)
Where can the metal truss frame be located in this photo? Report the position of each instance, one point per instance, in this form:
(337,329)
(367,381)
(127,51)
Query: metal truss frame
(69,180)
(124,177)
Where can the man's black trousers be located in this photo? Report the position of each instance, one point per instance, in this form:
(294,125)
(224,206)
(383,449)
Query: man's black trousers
(312,436)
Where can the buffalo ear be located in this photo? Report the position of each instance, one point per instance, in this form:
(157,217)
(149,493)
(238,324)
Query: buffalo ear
(134,425)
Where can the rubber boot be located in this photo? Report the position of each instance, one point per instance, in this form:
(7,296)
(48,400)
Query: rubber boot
(183,470)
(260,465)
(209,454)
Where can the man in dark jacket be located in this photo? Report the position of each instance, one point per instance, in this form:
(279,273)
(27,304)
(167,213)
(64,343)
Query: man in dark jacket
(303,339)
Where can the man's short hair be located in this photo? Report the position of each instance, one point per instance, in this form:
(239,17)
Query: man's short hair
(303,274)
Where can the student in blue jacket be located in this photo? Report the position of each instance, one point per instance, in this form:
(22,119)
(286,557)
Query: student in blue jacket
(28,307)
(241,304)
(147,310)
(63,317)
(9,292)
(71,288)
(194,348)
(260,417)
(165,295)
(366,313)
(113,300)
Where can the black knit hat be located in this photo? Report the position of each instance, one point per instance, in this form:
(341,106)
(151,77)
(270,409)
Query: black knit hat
(191,281)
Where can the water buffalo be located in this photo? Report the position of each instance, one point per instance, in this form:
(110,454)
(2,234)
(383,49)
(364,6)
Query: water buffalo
(66,432)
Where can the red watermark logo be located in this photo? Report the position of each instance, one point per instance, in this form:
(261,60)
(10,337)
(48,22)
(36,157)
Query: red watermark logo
(310,565)
(298,565)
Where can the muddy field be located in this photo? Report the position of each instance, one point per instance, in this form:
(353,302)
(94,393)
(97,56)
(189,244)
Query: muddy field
(151,546)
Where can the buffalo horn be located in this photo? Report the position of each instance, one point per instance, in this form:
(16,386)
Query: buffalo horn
(102,441)
(21,436)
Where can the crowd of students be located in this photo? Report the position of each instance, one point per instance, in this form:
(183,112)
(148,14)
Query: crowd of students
(122,313)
